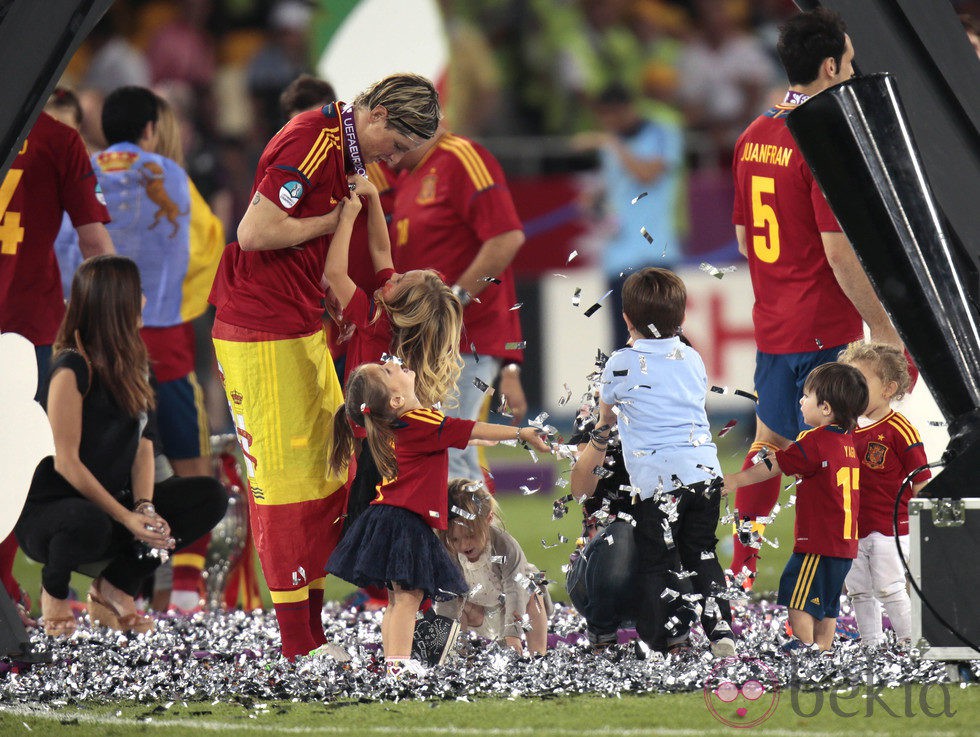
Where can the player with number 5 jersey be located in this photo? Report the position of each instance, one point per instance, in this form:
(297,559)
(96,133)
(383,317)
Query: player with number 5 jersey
(811,292)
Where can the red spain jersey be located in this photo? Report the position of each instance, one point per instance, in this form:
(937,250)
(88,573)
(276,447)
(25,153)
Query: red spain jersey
(422,484)
(889,451)
(453,201)
(828,496)
(302,171)
(799,306)
(51,174)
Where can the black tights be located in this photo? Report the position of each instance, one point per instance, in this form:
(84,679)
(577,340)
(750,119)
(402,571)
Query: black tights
(70,532)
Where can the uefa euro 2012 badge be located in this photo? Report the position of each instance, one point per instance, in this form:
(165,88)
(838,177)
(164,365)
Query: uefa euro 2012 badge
(289,194)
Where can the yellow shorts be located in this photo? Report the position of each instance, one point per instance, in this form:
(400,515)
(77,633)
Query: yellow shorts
(283,395)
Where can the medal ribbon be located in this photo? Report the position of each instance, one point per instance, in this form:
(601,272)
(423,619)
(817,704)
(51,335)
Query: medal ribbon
(350,136)
(795,98)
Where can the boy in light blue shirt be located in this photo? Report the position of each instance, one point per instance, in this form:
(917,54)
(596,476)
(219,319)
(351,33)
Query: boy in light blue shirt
(655,391)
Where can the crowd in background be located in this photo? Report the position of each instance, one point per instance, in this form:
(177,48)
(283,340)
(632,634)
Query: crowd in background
(698,70)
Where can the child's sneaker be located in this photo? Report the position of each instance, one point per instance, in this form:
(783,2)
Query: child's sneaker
(723,647)
(330,650)
(435,637)
(401,668)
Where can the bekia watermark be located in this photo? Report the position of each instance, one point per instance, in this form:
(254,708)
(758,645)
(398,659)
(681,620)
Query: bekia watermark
(744,692)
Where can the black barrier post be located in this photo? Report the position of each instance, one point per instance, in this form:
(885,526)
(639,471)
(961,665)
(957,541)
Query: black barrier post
(856,139)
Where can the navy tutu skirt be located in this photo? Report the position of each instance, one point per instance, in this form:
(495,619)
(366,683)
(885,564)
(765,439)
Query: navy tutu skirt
(388,545)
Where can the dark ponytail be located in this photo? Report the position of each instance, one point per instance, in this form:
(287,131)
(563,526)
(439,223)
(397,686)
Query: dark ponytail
(342,447)
(366,404)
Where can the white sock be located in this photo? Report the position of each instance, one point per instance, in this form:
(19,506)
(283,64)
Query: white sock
(185,600)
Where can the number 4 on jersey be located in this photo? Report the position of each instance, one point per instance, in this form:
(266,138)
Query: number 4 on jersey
(11,232)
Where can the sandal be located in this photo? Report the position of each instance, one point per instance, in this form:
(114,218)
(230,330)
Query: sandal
(60,626)
(102,612)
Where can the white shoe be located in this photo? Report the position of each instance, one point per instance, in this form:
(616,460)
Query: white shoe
(330,650)
(401,668)
(723,648)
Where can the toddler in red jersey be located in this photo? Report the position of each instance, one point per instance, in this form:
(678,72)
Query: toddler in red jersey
(826,461)
(889,449)
(392,543)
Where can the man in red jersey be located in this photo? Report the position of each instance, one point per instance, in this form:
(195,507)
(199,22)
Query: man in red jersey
(269,338)
(811,293)
(50,175)
(453,213)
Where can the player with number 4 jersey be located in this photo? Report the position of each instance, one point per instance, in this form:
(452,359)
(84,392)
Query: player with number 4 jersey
(51,174)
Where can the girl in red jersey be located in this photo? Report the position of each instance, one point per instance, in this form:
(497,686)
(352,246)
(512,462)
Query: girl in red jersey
(414,316)
(392,543)
(889,449)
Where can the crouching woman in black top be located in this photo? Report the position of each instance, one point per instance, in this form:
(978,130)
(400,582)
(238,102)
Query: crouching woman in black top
(95,499)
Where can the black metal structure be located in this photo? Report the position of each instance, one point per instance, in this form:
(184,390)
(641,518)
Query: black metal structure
(857,140)
(37,39)
(937,73)
(903,182)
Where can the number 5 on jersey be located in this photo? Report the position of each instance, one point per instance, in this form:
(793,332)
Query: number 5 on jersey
(11,232)
(766,246)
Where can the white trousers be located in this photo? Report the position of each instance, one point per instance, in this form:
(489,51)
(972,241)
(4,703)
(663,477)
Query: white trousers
(877,579)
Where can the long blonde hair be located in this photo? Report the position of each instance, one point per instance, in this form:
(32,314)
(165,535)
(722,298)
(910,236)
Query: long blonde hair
(169,141)
(426,322)
(102,323)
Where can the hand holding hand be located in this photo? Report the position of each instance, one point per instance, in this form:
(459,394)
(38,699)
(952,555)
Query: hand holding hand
(729,487)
